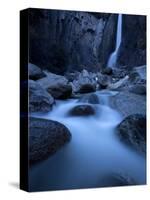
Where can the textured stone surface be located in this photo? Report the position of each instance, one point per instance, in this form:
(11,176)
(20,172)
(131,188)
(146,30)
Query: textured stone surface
(35,72)
(133,46)
(61,41)
(82,110)
(39,99)
(132,131)
(45,138)
(56,85)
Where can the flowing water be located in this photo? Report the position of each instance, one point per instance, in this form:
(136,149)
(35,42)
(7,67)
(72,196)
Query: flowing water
(113,57)
(93,152)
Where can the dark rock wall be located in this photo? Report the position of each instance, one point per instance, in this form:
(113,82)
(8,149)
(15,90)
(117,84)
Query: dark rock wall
(133,47)
(108,40)
(64,41)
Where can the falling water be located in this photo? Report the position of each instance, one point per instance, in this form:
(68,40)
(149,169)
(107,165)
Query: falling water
(113,57)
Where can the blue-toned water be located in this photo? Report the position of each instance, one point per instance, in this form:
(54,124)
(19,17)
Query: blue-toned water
(94,151)
(113,57)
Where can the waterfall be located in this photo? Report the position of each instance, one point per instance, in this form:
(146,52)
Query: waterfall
(113,57)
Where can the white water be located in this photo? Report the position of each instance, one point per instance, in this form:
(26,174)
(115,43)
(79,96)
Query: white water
(93,152)
(113,57)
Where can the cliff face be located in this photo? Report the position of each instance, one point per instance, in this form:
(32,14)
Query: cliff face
(133,47)
(108,40)
(62,41)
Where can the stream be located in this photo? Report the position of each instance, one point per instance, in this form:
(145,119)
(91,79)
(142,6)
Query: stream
(94,151)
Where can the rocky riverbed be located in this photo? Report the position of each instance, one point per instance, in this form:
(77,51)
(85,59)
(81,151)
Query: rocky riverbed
(87,99)
(126,95)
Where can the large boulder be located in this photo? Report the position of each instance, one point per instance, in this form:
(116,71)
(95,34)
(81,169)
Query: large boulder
(138,89)
(132,131)
(39,99)
(107,71)
(103,81)
(84,83)
(128,103)
(56,85)
(89,98)
(45,138)
(119,84)
(82,110)
(35,72)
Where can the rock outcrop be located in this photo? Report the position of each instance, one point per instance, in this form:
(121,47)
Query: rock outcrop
(62,41)
(84,83)
(57,85)
(39,99)
(35,72)
(128,103)
(132,51)
(132,131)
(82,110)
(45,138)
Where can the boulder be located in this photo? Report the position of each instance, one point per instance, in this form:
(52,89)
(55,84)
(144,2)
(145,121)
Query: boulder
(60,92)
(63,40)
(82,110)
(138,75)
(107,71)
(128,103)
(103,81)
(39,99)
(138,89)
(119,84)
(132,131)
(45,138)
(86,88)
(35,72)
(84,83)
(56,85)
(90,98)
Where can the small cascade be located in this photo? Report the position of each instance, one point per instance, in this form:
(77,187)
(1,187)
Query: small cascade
(113,57)
(93,152)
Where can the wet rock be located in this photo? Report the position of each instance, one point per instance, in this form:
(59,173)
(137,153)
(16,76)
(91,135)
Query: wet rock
(107,71)
(138,75)
(82,110)
(74,39)
(132,131)
(45,138)
(86,88)
(35,72)
(138,89)
(84,83)
(39,99)
(90,98)
(119,84)
(104,81)
(128,103)
(132,51)
(56,85)
(60,92)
